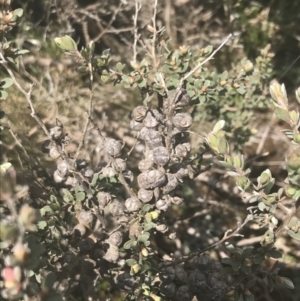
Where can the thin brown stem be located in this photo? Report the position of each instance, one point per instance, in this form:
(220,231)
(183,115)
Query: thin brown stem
(154,35)
(138,6)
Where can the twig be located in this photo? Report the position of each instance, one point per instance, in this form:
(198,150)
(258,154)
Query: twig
(90,111)
(154,34)
(27,96)
(102,33)
(138,6)
(225,237)
(18,143)
(203,62)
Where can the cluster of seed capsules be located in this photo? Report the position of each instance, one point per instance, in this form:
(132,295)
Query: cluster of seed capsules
(199,278)
(165,137)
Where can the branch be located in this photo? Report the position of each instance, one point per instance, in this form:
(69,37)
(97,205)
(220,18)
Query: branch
(203,62)
(28,98)
(138,6)
(225,237)
(154,34)
(90,111)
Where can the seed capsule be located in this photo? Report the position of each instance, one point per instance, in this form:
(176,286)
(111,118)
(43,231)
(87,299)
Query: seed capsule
(161,155)
(116,238)
(162,228)
(86,217)
(172,183)
(113,147)
(184,294)
(197,281)
(151,179)
(56,132)
(103,199)
(180,170)
(120,164)
(150,121)
(167,274)
(145,195)
(168,289)
(145,164)
(183,99)
(57,177)
(63,168)
(108,172)
(112,254)
(133,204)
(117,208)
(79,230)
(135,125)
(181,275)
(54,153)
(182,121)
(162,204)
(151,137)
(139,113)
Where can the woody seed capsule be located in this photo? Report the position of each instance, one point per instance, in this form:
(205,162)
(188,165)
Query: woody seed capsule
(116,238)
(145,164)
(151,179)
(161,155)
(135,125)
(150,121)
(113,147)
(139,113)
(133,204)
(151,137)
(182,121)
(145,195)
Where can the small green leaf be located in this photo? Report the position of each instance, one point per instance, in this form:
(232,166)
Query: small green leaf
(286,282)
(131,262)
(142,84)
(274,253)
(249,297)
(251,283)
(246,269)
(224,164)
(120,67)
(235,264)
(49,280)
(5,166)
(3,94)
(144,237)
(149,226)
(45,209)
(42,225)
(68,197)
(241,90)
(18,12)
(294,234)
(6,83)
(129,244)
(66,43)
(258,259)
(218,126)
(223,146)
(21,51)
(80,196)
(224,75)
(282,114)
(105,78)
(146,208)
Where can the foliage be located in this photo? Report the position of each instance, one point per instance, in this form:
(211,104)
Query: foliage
(95,227)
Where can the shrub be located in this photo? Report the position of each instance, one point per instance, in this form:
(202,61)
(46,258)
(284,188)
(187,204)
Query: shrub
(102,226)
